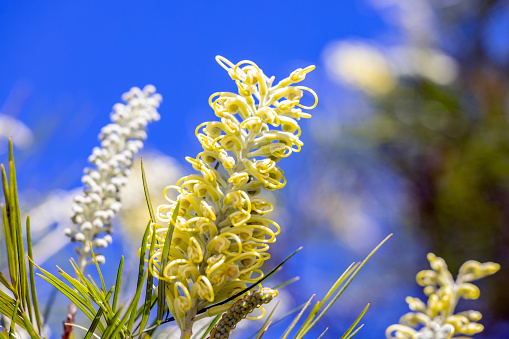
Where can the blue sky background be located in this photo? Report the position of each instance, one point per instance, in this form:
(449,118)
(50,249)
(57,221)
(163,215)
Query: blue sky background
(76,58)
(65,63)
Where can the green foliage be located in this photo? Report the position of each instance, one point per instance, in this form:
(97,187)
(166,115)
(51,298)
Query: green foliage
(100,304)
(21,305)
(321,307)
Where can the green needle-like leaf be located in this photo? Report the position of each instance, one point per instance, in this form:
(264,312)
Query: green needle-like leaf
(321,335)
(32,278)
(117,284)
(13,319)
(341,284)
(164,261)
(98,268)
(94,324)
(296,319)
(112,325)
(131,312)
(147,194)
(6,283)
(150,283)
(355,332)
(210,326)
(267,323)
(288,282)
(73,296)
(350,329)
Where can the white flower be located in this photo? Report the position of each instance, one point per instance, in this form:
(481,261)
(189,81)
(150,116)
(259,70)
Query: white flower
(94,210)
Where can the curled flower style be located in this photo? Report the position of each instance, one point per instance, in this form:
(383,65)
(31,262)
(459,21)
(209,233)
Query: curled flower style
(120,141)
(437,318)
(221,232)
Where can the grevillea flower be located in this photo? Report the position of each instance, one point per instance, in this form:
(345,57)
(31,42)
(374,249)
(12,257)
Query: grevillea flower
(222,232)
(94,210)
(437,318)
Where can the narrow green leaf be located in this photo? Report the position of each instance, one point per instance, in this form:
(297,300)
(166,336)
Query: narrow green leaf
(355,332)
(321,335)
(7,306)
(350,329)
(150,283)
(15,220)
(112,325)
(13,318)
(72,295)
(350,273)
(32,277)
(98,268)
(117,283)
(354,273)
(267,323)
(81,328)
(131,312)
(10,238)
(288,282)
(141,267)
(147,193)
(296,319)
(82,289)
(94,324)
(150,330)
(210,326)
(89,290)
(164,261)
(28,326)
(143,250)
(314,311)
(3,333)
(265,330)
(6,283)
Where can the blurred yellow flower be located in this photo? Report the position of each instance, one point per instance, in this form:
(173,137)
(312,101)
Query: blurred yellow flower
(360,65)
(437,318)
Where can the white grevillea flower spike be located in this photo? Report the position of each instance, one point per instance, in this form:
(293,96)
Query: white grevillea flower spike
(222,231)
(94,210)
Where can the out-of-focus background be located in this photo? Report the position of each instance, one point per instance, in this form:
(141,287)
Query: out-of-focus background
(410,136)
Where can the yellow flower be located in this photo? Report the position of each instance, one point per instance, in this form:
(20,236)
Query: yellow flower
(437,318)
(221,233)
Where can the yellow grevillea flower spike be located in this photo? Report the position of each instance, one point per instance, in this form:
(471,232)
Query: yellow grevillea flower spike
(222,232)
(437,319)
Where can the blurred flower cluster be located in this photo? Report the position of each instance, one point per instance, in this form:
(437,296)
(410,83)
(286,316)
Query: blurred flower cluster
(437,318)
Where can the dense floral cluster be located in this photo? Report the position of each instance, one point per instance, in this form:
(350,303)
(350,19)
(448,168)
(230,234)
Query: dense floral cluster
(239,310)
(222,232)
(437,319)
(120,141)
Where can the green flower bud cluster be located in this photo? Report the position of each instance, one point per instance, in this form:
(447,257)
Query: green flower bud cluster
(437,318)
(239,310)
